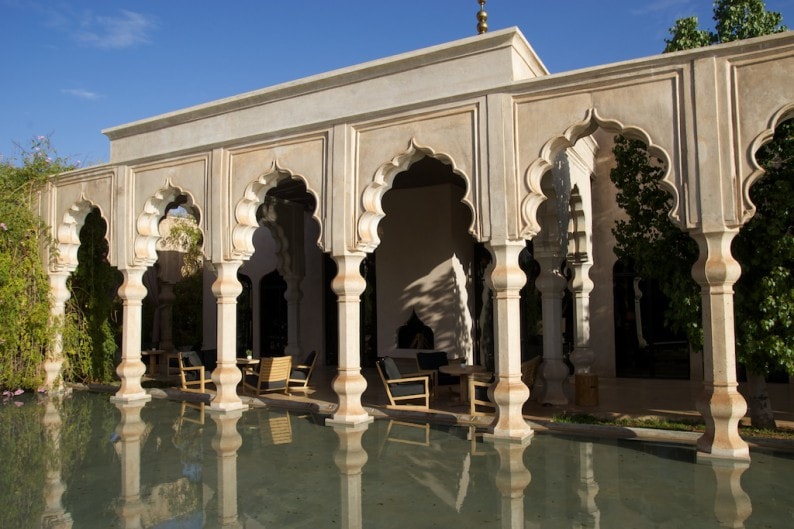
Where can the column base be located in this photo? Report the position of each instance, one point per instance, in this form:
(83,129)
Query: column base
(722,407)
(131,397)
(348,421)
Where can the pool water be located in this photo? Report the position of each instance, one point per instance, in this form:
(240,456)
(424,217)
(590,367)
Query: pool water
(86,462)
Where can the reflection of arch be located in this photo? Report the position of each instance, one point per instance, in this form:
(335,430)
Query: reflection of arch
(68,235)
(552,149)
(148,223)
(246,210)
(762,139)
(372,196)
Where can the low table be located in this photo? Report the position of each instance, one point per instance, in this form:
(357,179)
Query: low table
(462,371)
(246,364)
(154,359)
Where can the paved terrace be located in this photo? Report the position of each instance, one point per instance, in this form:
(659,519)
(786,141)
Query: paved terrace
(618,398)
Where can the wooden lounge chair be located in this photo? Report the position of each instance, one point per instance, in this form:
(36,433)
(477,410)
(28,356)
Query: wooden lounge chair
(273,375)
(301,373)
(192,373)
(400,388)
(478,394)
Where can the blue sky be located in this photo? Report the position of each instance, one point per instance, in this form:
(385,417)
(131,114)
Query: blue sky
(71,68)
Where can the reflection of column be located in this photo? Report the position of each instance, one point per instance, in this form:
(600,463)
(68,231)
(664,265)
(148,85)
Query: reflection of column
(350,457)
(349,384)
(54,516)
(721,404)
(589,515)
(732,505)
(511,480)
(293,295)
(131,368)
(54,359)
(227,375)
(551,283)
(227,442)
(130,430)
(510,393)
(581,285)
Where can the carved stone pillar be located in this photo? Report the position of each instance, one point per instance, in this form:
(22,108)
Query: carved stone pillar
(721,405)
(53,363)
(350,458)
(226,443)
(293,295)
(512,479)
(580,285)
(227,375)
(551,283)
(349,384)
(510,393)
(130,430)
(131,367)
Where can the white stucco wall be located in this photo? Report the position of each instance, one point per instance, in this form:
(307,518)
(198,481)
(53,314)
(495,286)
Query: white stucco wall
(424,263)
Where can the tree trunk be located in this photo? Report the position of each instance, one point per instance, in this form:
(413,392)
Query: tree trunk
(761,415)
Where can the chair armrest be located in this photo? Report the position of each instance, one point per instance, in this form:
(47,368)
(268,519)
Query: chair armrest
(301,366)
(193,368)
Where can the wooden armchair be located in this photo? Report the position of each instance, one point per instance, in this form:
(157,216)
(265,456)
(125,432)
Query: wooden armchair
(192,373)
(273,375)
(301,373)
(478,394)
(400,388)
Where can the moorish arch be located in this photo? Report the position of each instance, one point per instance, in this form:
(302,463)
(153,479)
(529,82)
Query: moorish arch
(148,221)
(372,196)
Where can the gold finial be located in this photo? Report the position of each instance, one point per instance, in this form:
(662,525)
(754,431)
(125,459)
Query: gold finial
(482,18)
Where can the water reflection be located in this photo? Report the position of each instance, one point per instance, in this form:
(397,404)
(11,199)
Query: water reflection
(128,446)
(55,515)
(167,465)
(350,458)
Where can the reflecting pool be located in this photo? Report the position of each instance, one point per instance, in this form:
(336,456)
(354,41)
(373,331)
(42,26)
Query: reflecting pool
(86,462)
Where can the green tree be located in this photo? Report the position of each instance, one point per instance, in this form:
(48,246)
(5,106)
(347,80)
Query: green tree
(24,287)
(765,293)
(91,332)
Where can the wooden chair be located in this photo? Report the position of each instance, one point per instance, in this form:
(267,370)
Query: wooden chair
(301,373)
(273,375)
(275,428)
(478,394)
(400,388)
(529,372)
(192,372)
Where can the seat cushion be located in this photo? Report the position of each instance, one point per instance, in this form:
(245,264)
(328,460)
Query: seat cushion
(297,374)
(481,393)
(409,388)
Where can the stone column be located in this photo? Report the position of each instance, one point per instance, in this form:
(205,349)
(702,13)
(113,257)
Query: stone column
(581,285)
(227,375)
(349,384)
(55,515)
(512,479)
(293,295)
(551,283)
(510,393)
(53,362)
(721,404)
(350,457)
(130,430)
(131,367)
(226,443)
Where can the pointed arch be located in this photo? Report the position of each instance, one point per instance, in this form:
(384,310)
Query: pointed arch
(68,234)
(783,114)
(245,212)
(372,196)
(553,147)
(148,222)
